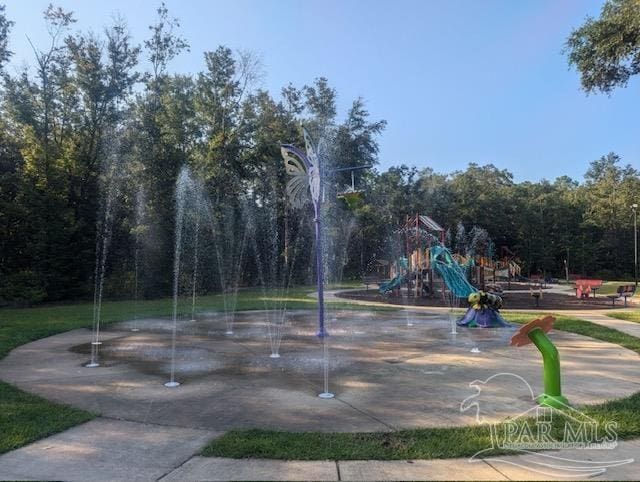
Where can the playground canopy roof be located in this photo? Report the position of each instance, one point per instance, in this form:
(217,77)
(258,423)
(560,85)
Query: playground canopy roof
(430,223)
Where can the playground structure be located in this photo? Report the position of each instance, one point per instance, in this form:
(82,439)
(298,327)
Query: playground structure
(416,268)
(488,272)
(427,267)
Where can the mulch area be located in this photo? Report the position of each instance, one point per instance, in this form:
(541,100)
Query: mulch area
(548,301)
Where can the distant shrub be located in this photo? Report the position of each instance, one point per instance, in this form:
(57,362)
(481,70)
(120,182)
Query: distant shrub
(119,285)
(611,275)
(23,288)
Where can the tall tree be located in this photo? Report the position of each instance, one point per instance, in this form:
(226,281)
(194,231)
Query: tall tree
(5,29)
(606,50)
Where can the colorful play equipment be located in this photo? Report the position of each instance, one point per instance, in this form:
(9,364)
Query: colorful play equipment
(429,267)
(395,283)
(484,311)
(451,272)
(413,269)
(434,269)
(422,234)
(401,268)
(536,332)
(486,272)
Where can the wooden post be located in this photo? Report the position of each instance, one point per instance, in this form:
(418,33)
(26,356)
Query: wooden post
(418,269)
(430,282)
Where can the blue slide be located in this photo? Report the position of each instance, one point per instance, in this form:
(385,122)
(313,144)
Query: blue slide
(451,272)
(391,285)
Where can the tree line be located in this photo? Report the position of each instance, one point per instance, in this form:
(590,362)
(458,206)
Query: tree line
(88,98)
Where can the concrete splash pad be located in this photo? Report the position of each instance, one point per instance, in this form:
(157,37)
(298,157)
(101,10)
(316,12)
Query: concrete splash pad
(386,375)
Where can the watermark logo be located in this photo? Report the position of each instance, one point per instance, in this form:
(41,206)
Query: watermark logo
(538,428)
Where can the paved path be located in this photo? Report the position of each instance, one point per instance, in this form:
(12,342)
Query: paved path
(103,450)
(116,450)
(600,317)
(586,464)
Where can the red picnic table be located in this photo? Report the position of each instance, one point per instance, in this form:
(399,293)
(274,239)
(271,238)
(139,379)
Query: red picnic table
(585,286)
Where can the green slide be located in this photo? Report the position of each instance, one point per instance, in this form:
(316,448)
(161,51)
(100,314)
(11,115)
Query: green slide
(391,285)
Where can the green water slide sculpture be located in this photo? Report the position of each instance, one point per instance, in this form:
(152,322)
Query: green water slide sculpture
(536,332)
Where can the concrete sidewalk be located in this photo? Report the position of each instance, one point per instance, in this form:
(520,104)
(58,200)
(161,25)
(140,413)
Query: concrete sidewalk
(116,450)
(618,464)
(104,450)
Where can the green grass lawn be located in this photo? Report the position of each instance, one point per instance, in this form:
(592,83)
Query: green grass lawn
(610,287)
(429,443)
(581,327)
(423,443)
(626,315)
(25,418)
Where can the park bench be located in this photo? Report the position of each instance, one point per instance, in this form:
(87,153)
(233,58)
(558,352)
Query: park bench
(624,291)
(371,280)
(585,286)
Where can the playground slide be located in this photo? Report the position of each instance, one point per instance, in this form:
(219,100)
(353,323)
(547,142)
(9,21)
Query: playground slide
(451,272)
(391,285)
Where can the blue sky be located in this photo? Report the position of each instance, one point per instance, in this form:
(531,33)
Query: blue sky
(457,81)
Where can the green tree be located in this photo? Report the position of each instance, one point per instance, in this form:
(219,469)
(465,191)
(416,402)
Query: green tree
(606,50)
(5,29)
(40,113)
(609,191)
